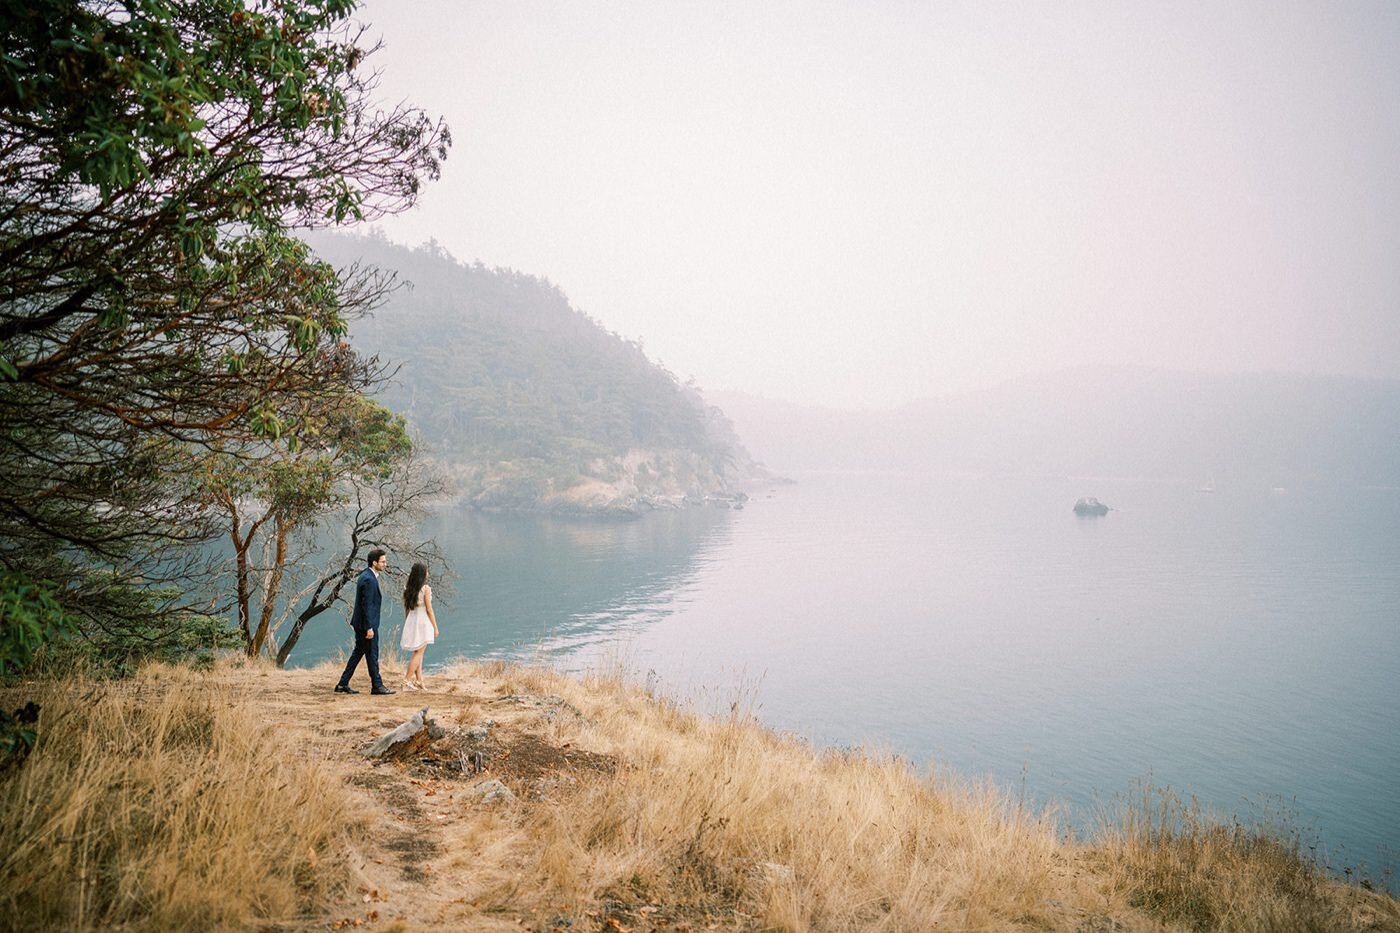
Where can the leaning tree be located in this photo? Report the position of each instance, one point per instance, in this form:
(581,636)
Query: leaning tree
(156,157)
(354,476)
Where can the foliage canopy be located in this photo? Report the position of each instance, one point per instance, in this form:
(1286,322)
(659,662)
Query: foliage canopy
(154,157)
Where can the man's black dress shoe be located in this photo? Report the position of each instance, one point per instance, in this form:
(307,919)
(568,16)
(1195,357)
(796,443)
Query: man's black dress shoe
(341,688)
(381,691)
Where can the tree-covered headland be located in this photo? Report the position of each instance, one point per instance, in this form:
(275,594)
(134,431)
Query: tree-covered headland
(533,403)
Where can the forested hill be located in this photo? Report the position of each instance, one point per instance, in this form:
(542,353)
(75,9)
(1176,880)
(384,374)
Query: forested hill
(534,403)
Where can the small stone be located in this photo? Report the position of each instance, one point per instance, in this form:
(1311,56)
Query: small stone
(492,791)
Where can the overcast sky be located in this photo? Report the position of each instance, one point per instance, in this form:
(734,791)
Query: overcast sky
(858,204)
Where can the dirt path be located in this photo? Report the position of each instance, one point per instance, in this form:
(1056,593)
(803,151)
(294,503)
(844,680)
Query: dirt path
(431,818)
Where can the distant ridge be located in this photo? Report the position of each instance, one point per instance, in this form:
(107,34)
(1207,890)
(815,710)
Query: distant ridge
(1274,429)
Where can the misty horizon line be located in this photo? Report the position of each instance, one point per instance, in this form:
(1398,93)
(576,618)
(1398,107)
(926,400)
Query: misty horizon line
(1101,370)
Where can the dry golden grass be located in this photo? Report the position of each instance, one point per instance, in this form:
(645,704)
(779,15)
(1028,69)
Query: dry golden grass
(722,817)
(163,803)
(150,804)
(1170,859)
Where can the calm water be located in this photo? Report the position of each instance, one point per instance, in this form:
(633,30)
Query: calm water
(1242,646)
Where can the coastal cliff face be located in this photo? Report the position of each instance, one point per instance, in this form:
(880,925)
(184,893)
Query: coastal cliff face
(635,482)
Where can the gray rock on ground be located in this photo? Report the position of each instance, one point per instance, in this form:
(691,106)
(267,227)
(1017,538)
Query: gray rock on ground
(492,791)
(418,732)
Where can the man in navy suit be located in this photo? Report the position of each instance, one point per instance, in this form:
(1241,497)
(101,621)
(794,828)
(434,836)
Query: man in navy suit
(364,619)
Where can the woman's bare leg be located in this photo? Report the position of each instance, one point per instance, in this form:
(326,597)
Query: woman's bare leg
(408,669)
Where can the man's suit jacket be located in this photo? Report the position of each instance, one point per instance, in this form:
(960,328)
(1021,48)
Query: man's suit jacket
(365,616)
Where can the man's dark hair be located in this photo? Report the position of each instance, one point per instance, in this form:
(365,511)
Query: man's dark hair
(374,555)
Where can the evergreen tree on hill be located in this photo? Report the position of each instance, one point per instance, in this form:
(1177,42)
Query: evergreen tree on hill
(494,364)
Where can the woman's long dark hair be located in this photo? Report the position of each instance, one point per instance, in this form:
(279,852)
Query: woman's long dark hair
(416,578)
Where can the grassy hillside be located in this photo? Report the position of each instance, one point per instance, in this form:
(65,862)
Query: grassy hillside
(239,799)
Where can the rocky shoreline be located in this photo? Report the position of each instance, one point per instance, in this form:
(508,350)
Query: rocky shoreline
(633,484)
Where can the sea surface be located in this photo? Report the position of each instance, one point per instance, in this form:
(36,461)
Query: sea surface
(1240,646)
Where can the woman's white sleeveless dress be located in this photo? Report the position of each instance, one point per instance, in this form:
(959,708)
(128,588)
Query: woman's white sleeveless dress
(418,628)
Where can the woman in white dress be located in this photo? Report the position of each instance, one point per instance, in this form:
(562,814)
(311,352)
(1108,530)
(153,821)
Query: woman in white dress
(420,628)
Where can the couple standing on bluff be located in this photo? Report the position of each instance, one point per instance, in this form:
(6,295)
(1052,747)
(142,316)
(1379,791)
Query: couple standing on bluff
(420,628)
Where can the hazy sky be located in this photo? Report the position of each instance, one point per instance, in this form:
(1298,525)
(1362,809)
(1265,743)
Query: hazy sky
(857,204)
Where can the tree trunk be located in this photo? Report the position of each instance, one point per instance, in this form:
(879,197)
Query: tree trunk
(241,547)
(281,529)
(240,560)
(317,606)
(307,614)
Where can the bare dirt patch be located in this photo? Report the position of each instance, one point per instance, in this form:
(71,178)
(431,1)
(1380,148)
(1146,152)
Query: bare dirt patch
(414,851)
(525,762)
(532,766)
(391,791)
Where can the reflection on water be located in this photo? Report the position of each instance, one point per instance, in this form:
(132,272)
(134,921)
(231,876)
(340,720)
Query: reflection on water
(1238,646)
(530,584)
